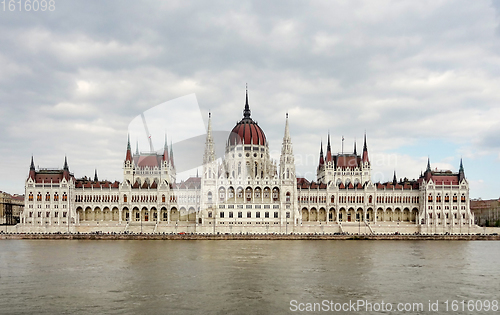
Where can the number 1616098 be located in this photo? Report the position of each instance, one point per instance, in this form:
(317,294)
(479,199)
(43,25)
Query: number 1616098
(28,5)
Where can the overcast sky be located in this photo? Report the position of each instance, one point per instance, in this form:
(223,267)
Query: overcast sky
(422,78)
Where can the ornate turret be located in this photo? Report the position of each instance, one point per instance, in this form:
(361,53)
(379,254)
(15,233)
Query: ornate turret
(165,150)
(328,150)
(365,152)
(287,163)
(246,130)
(66,169)
(209,155)
(32,169)
(461,172)
(128,157)
(321,158)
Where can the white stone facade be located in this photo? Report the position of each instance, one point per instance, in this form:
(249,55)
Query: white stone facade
(246,192)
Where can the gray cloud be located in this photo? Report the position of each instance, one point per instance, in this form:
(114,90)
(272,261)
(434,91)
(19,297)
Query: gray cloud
(73,79)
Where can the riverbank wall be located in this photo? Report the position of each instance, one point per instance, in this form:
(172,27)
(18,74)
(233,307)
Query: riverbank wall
(464,237)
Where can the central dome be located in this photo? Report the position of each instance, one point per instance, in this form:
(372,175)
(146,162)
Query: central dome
(247,131)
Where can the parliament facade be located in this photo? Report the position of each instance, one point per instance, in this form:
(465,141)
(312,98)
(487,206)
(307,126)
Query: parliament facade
(246,192)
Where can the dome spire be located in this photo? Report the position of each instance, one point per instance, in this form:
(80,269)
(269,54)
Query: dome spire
(246,111)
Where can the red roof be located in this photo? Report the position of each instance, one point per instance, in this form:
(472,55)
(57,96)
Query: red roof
(148,160)
(445,179)
(247,132)
(347,161)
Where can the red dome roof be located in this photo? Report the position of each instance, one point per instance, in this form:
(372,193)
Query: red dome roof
(247,131)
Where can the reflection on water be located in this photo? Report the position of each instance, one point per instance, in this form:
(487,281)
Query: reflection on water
(237,277)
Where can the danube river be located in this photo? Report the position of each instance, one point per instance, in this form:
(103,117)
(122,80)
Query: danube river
(247,277)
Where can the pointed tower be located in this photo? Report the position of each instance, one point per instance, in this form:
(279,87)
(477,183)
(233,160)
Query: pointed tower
(209,155)
(461,172)
(246,111)
(128,164)
(172,171)
(66,169)
(165,162)
(210,171)
(394,179)
(320,172)
(96,179)
(428,171)
(287,161)
(136,148)
(32,170)
(328,151)
(165,151)
(288,191)
(365,166)
(355,153)
(366,160)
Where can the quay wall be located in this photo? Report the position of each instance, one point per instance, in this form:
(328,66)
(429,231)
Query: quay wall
(469,237)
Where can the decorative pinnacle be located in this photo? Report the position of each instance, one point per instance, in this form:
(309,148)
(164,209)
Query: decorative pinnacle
(246,111)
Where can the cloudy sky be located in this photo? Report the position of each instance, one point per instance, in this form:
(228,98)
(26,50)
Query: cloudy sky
(421,78)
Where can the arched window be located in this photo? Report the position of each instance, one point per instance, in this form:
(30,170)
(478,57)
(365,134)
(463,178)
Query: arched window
(56,197)
(339,181)
(239,168)
(370,199)
(429,199)
(47,197)
(256,169)
(287,173)
(39,197)
(30,197)
(288,196)
(209,196)
(332,199)
(446,198)
(163,198)
(124,198)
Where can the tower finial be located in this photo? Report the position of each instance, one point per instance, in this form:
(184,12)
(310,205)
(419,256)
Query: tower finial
(95,176)
(428,165)
(394,179)
(246,111)
(32,166)
(65,167)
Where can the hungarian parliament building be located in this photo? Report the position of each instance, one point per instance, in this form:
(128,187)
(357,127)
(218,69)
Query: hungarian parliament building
(246,192)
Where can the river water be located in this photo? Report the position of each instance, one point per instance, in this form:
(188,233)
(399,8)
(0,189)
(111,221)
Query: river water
(243,277)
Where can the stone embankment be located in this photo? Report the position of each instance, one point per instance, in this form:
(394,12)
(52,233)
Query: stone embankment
(413,237)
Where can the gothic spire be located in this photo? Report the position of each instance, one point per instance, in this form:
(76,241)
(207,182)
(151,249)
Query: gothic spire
(355,153)
(171,155)
(129,151)
(95,176)
(394,179)
(428,165)
(287,130)
(365,152)
(209,155)
(137,147)
(321,158)
(32,166)
(65,167)
(246,111)
(328,150)
(165,149)
(461,172)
